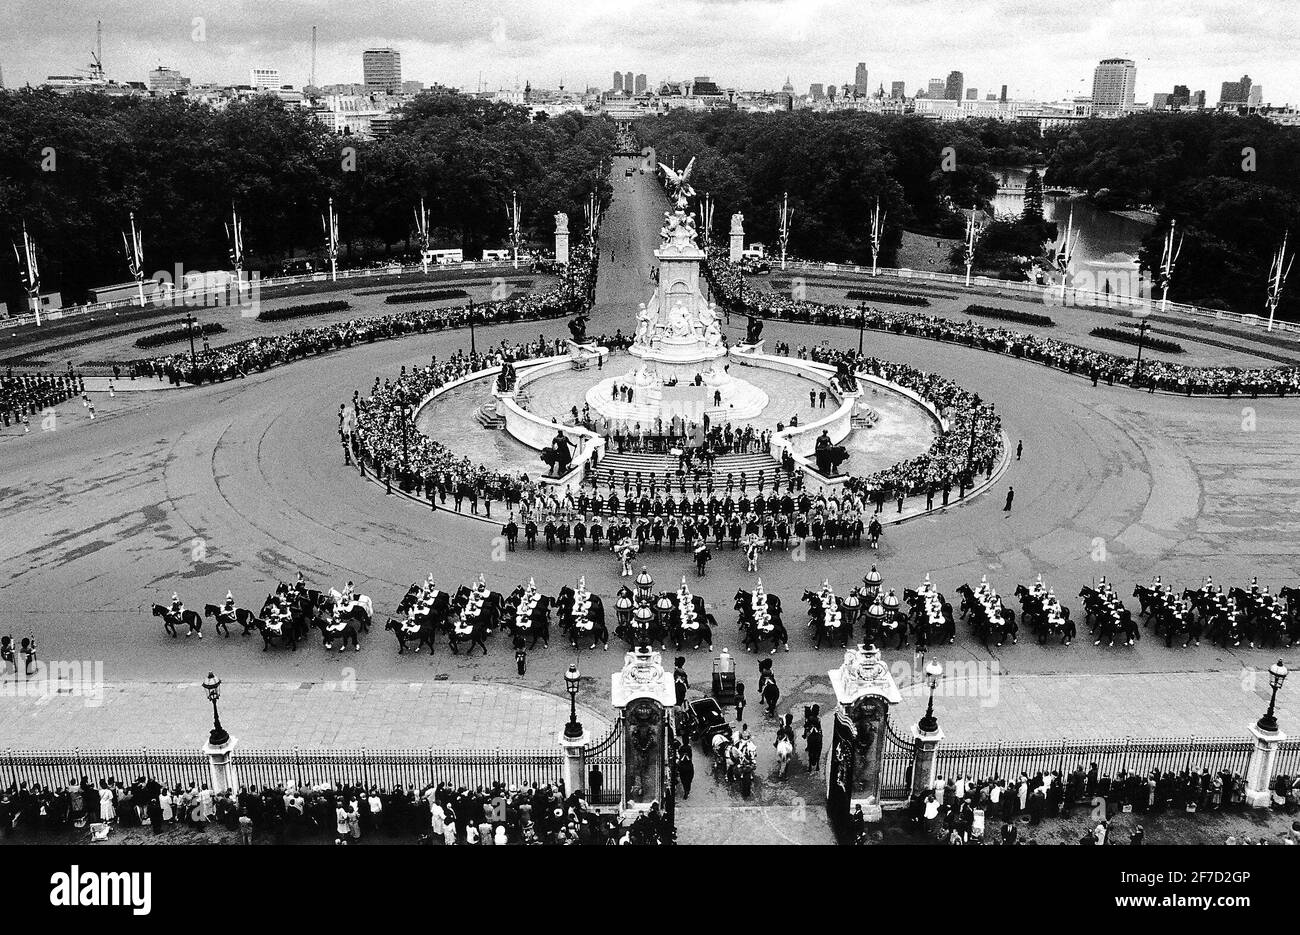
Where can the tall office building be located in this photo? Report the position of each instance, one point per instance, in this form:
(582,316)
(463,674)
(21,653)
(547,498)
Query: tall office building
(381,70)
(1256,95)
(972,94)
(164,80)
(1113,83)
(936,89)
(952,88)
(860,87)
(1003,98)
(641,84)
(264,79)
(618,82)
(897,90)
(816,91)
(1236,92)
(629,82)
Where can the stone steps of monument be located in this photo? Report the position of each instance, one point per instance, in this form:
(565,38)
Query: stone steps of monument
(488,417)
(614,464)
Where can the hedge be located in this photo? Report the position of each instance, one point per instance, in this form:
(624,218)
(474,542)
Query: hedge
(1131,337)
(884,295)
(1008,314)
(432,295)
(302,311)
(172,335)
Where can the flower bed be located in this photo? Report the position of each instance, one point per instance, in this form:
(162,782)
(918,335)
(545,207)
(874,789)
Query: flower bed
(426,295)
(1131,337)
(302,311)
(887,295)
(172,335)
(1009,314)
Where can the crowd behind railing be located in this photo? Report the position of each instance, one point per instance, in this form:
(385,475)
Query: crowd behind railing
(731,290)
(574,292)
(342,812)
(949,809)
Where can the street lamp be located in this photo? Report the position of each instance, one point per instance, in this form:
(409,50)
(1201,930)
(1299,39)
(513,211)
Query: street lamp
(862,324)
(189,328)
(472,350)
(933,672)
(572,730)
(1277,674)
(218,737)
(1142,327)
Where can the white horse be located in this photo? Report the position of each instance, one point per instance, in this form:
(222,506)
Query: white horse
(361,599)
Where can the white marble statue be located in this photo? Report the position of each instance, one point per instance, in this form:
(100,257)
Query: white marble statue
(679,322)
(645,325)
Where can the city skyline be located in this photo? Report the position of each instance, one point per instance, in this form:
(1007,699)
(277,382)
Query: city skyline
(1192,42)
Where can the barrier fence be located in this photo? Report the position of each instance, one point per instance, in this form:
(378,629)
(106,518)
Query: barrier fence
(1008,760)
(1050,294)
(181,298)
(383,767)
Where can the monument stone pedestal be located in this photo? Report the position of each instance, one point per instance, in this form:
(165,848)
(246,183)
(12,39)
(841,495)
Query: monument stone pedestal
(737,245)
(926,745)
(1263,761)
(574,773)
(221,771)
(562,238)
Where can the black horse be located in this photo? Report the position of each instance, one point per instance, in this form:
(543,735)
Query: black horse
(753,633)
(536,625)
(283,631)
(825,629)
(590,625)
(186,617)
(421,631)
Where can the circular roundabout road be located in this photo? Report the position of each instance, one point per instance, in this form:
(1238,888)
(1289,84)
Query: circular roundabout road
(241,484)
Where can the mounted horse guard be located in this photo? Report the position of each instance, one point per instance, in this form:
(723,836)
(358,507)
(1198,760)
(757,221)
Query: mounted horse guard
(760,618)
(692,621)
(583,614)
(644,584)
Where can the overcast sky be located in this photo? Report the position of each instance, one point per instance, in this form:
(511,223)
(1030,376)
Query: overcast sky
(1043,49)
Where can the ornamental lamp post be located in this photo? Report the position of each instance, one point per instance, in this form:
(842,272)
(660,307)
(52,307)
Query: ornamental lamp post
(933,672)
(218,737)
(1142,328)
(572,730)
(1277,674)
(862,324)
(190,322)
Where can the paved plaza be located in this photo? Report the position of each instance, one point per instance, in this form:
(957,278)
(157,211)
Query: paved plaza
(240,485)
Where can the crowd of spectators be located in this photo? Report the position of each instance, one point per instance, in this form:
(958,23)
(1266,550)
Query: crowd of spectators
(731,290)
(383,434)
(949,809)
(573,292)
(345,813)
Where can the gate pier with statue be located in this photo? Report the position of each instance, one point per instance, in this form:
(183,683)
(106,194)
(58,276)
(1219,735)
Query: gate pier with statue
(864,692)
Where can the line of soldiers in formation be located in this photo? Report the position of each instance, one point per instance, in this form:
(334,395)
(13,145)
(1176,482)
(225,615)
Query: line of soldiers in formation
(26,395)
(768,520)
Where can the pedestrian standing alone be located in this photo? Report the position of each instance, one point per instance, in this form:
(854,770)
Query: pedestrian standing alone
(1020,446)
(813,735)
(521,655)
(685,770)
(1011,495)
